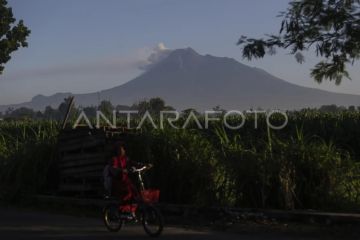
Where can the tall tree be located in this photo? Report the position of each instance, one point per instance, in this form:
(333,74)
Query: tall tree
(22,113)
(106,108)
(50,113)
(12,35)
(63,107)
(154,106)
(329,27)
(90,111)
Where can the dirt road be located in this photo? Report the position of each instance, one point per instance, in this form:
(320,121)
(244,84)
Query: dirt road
(28,224)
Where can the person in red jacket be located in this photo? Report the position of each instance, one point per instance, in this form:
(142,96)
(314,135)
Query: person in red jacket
(116,177)
(122,164)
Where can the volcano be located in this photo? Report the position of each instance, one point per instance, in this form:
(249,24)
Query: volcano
(186,79)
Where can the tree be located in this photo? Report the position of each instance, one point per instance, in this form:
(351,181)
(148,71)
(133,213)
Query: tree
(141,106)
(50,113)
(106,108)
(21,113)
(332,108)
(352,108)
(122,108)
(90,111)
(332,27)
(63,107)
(185,113)
(219,109)
(154,106)
(12,35)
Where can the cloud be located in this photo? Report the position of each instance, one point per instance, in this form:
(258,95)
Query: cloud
(142,59)
(105,66)
(157,54)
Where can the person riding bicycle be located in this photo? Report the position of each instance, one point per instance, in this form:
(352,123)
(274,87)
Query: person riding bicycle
(116,175)
(136,202)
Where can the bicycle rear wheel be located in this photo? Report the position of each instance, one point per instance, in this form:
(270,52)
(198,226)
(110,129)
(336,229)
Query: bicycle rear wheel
(152,221)
(111,217)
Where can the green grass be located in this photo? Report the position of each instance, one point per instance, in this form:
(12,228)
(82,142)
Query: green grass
(312,163)
(27,150)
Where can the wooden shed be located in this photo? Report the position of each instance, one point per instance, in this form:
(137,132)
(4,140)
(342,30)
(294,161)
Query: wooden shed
(83,153)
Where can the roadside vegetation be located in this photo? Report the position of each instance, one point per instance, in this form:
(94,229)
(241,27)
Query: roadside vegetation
(313,163)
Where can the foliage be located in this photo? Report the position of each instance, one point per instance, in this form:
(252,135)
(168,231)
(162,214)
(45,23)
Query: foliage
(27,152)
(153,105)
(332,27)
(106,108)
(312,163)
(12,35)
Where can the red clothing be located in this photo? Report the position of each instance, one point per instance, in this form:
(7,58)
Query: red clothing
(121,162)
(126,184)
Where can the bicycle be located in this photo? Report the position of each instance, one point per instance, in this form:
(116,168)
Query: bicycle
(146,212)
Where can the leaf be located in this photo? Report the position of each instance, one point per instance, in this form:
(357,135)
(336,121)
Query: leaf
(299,57)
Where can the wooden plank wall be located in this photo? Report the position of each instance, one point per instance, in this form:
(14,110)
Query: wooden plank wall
(83,153)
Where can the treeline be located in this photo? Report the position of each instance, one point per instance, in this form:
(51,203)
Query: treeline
(153,105)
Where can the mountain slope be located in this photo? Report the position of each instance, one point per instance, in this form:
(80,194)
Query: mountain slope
(187,79)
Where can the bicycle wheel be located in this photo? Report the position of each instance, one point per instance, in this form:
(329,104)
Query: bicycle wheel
(112,219)
(152,221)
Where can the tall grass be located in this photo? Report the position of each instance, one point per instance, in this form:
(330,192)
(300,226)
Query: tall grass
(27,150)
(312,163)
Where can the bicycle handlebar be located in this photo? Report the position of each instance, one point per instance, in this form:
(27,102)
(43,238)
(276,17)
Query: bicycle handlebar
(137,170)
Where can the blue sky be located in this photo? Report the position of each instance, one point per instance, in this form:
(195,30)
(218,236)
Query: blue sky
(84,46)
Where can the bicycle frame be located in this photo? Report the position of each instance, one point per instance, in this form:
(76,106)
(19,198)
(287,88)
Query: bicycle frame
(139,174)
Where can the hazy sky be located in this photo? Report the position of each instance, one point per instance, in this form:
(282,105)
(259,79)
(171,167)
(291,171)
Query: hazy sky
(84,46)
